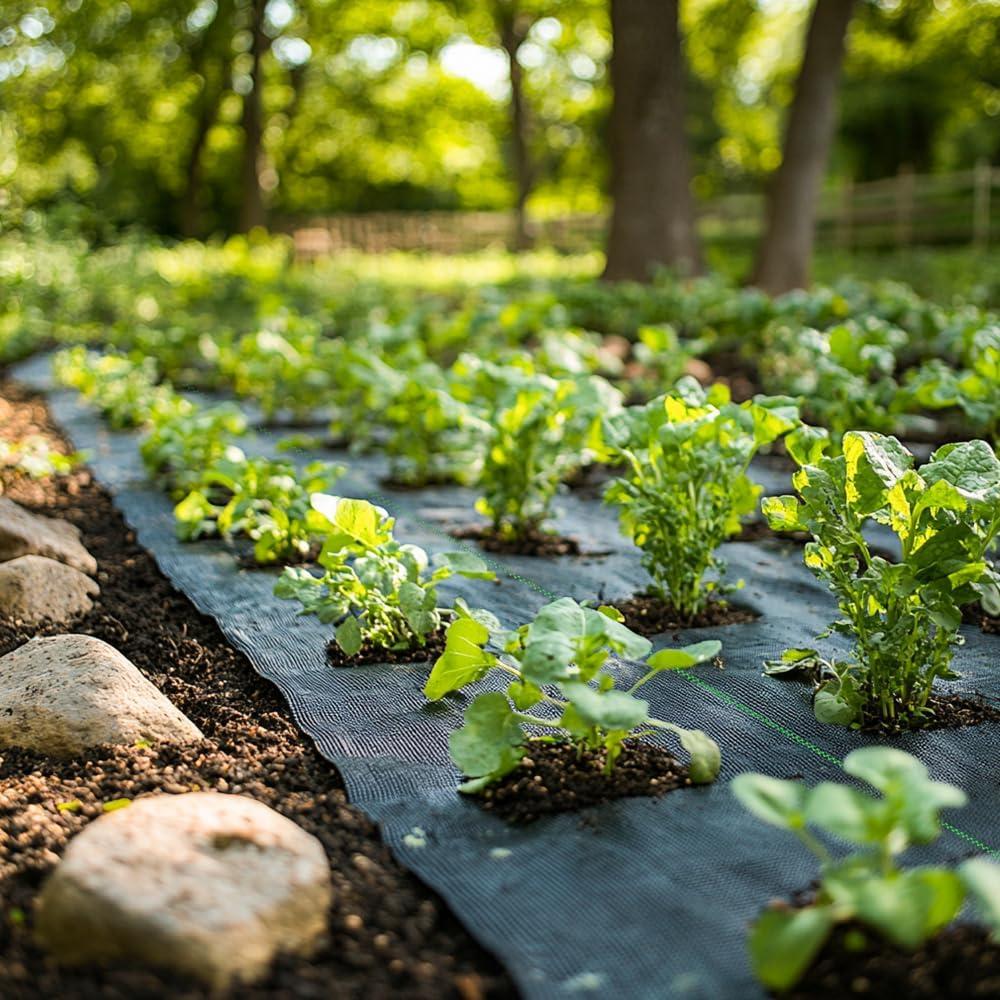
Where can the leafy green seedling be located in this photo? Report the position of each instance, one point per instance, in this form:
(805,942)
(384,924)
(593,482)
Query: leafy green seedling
(843,375)
(566,649)
(373,588)
(975,390)
(125,392)
(432,437)
(904,617)
(265,500)
(541,430)
(905,906)
(686,485)
(185,439)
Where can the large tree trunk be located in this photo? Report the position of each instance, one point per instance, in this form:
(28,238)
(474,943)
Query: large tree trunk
(252,212)
(784,258)
(190,208)
(653,220)
(513,31)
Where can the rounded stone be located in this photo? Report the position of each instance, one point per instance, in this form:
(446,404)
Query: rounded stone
(35,589)
(62,694)
(209,884)
(25,534)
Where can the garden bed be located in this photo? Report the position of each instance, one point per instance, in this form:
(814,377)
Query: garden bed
(388,933)
(702,867)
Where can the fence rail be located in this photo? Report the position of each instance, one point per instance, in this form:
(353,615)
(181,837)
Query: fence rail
(909,209)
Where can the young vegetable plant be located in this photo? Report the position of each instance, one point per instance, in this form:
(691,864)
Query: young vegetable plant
(432,437)
(542,430)
(125,392)
(974,390)
(374,589)
(904,617)
(267,501)
(686,485)
(843,375)
(185,439)
(904,906)
(565,649)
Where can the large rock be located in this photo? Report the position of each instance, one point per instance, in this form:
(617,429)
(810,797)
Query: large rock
(62,694)
(25,534)
(34,589)
(210,884)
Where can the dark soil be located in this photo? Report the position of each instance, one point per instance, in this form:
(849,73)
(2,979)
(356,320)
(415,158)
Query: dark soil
(973,614)
(959,963)
(948,711)
(389,935)
(370,653)
(535,543)
(649,615)
(558,778)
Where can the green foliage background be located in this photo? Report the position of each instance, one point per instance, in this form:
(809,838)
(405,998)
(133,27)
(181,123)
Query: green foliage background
(402,104)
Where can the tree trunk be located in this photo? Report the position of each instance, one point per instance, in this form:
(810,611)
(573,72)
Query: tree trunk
(252,212)
(512,35)
(190,215)
(653,220)
(784,258)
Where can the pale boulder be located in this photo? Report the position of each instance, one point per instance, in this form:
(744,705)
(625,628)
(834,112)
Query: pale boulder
(25,534)
(34,589)
(62,694)
(209,884)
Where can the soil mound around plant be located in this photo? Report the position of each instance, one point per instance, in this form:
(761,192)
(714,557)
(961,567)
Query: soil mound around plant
(649,615)
(947,711)
(371,653)
(535,543)
(559,777)
(959,963)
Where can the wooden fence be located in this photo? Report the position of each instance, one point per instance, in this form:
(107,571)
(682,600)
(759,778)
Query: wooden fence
(906,210)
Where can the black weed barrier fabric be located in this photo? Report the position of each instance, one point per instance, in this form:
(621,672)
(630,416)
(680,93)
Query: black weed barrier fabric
(641,898)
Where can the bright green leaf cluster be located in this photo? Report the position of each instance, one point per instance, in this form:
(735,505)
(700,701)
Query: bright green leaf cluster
(903,617)
(842,376)
(540,430)
(906,906)
(373,588)
(265,500)
(561,680)
(685,487)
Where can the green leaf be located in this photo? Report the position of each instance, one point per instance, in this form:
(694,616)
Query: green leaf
(466,564)
(549,645)
(774,800)
(463,661)
(783,513)
(982,879)
(909,907)
(806,444)
(706,757)
(356,520)
(606,709)
(489,744)
(793,661)
(688,656)
(844,812)
(349,636)
(783,943)
(832,708)
(627,642)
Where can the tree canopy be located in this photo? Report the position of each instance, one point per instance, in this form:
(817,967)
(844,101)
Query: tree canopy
(134,109)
